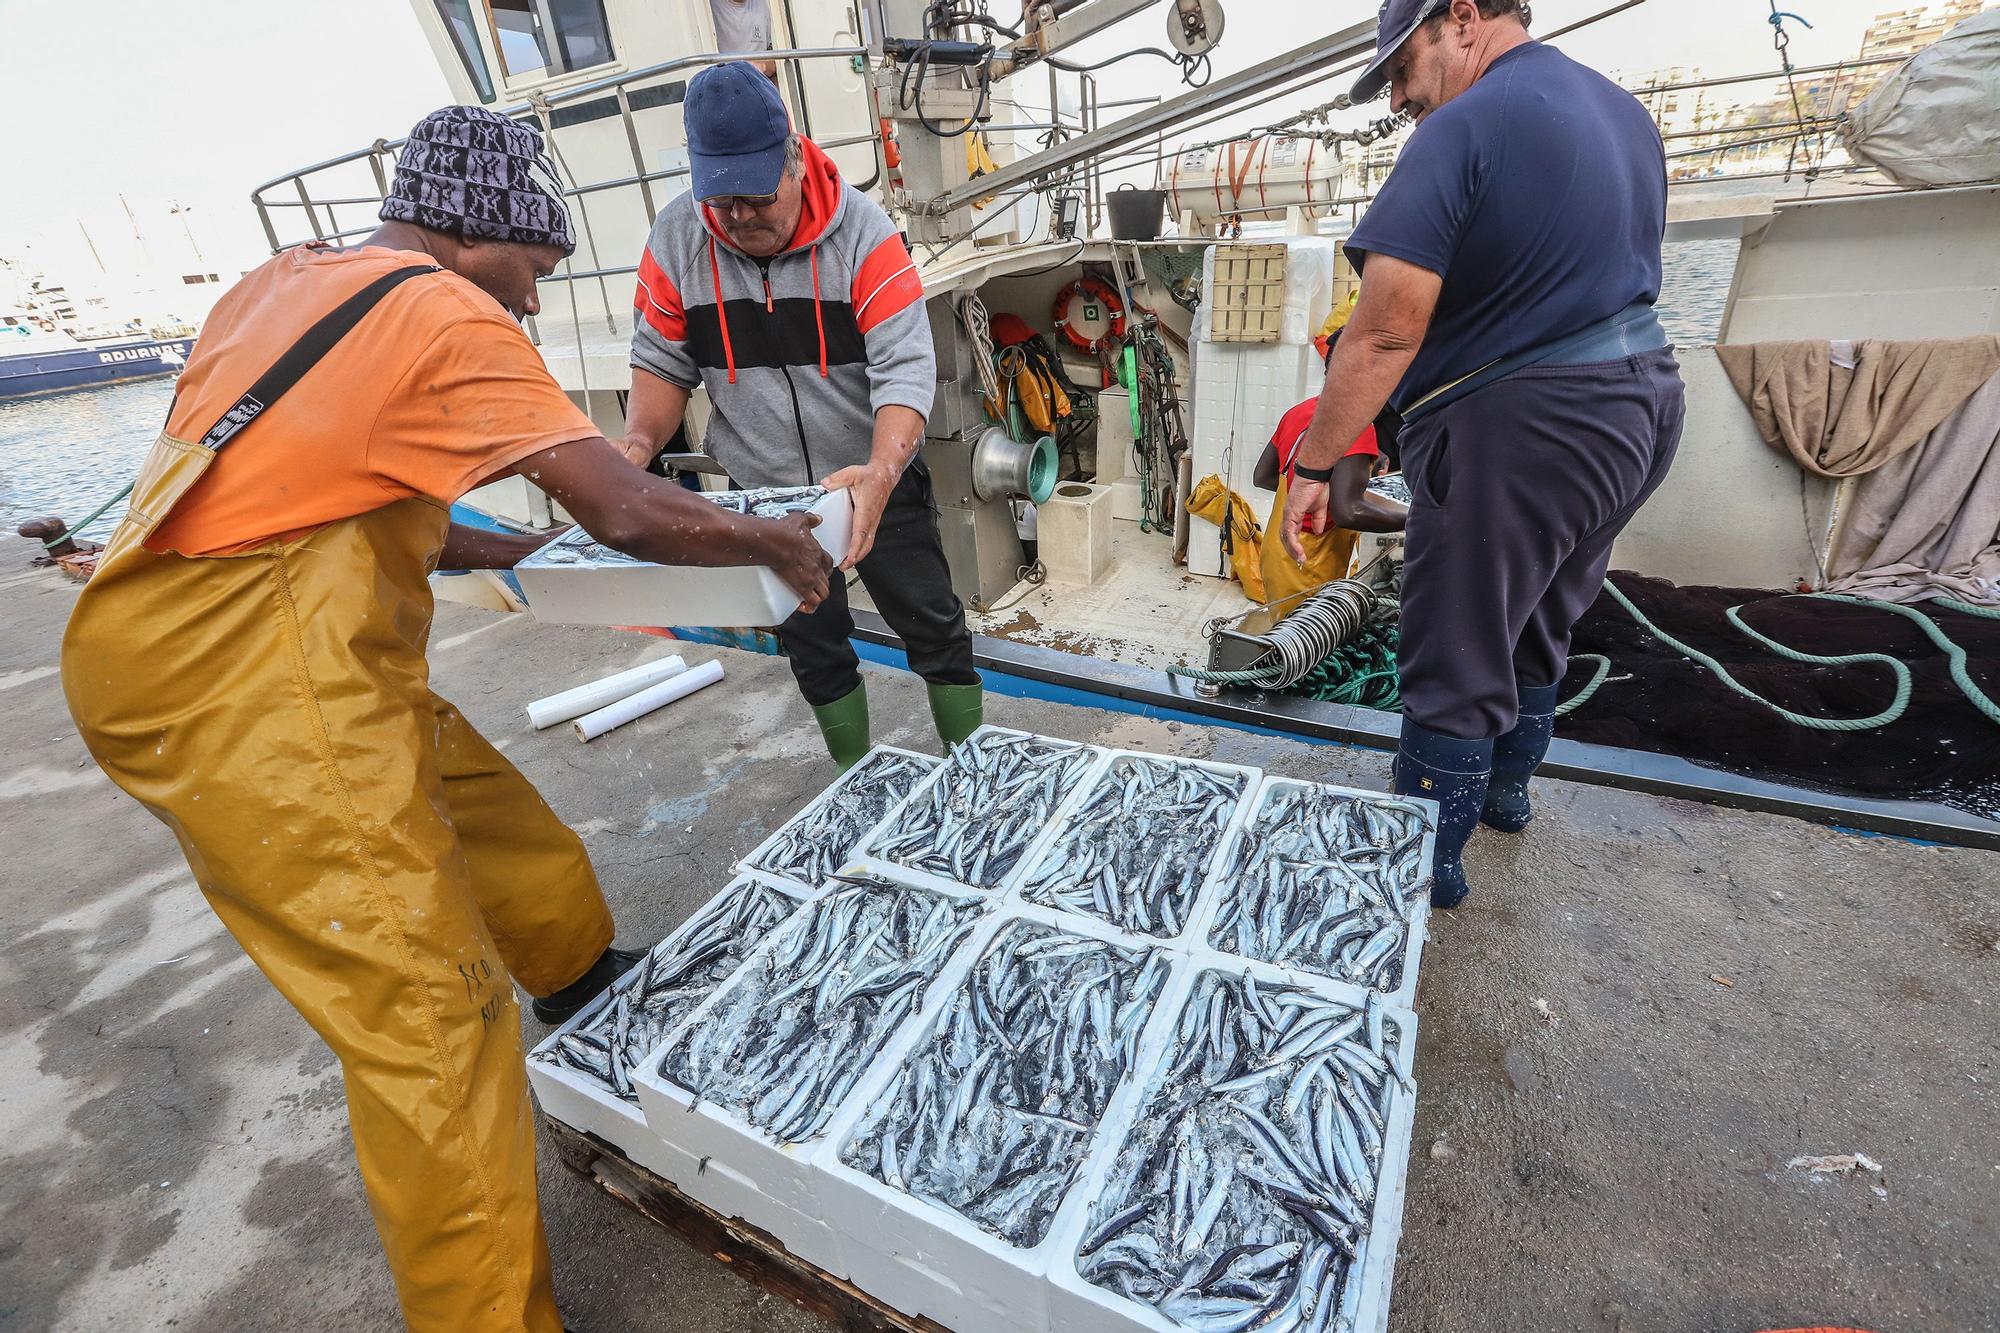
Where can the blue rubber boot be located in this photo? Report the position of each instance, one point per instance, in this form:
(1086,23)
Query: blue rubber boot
(1454,773)
(1516,756)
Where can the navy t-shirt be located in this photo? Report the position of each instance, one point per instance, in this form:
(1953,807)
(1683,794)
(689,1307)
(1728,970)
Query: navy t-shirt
(1539,195)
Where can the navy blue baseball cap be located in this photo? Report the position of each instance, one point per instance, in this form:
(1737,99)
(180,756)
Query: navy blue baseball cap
(736,131)
(1397,23)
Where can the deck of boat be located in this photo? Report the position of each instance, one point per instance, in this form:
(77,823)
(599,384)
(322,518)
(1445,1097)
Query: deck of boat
(1724,990)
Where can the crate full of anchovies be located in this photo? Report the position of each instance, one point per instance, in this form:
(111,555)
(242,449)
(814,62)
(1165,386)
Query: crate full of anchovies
(1043,1036)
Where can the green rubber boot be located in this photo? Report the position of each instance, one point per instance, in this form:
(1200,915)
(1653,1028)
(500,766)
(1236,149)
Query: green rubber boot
(957,709)
(844,724)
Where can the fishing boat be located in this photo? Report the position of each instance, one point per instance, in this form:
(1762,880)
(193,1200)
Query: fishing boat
(34,360)
(1183,314)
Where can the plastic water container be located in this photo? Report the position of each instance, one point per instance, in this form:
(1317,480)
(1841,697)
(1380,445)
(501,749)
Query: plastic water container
(572,581)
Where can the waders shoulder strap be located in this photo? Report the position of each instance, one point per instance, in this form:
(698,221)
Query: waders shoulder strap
(304,354)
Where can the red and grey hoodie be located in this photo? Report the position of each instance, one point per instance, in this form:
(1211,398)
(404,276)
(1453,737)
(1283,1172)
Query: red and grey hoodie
(798,351)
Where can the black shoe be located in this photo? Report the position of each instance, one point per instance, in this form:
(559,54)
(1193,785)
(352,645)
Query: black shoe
(564,1004)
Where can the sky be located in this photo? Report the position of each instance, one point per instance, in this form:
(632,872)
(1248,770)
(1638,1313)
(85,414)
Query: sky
(194,103)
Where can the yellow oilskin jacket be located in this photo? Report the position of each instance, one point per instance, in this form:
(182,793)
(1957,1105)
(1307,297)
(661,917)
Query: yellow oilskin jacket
(1221,506)
(383,865)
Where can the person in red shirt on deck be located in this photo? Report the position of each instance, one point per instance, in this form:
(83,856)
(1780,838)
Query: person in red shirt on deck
(1352,508)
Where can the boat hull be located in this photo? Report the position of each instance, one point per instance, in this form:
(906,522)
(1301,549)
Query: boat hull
(30,373)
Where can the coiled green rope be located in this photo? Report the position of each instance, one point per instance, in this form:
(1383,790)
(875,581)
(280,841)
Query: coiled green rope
(1363,671)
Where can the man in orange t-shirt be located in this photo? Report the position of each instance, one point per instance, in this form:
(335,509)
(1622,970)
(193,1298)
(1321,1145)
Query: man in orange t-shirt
(249,663)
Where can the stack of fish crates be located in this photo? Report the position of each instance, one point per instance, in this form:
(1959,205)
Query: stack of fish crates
(1043,1036)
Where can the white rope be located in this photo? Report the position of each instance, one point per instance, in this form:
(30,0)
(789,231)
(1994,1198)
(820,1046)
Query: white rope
(972,313)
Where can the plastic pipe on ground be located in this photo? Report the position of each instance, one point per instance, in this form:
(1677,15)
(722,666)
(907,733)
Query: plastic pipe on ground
(601,693)
(592,725)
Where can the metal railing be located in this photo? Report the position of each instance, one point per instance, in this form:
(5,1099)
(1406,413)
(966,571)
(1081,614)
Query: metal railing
(540,108)
(316,203)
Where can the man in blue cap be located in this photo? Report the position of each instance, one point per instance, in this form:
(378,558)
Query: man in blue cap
(1511,262)
(791,298)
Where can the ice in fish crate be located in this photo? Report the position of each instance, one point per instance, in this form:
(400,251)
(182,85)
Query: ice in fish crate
(818,841)
(991,1117)
(977,817)
(1266,1152)
(609,1043)
(1135,850)
(1329,881)
(783,1042)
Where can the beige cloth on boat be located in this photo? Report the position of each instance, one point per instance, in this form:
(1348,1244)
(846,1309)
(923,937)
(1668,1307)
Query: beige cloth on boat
(1927,523)
(1840,415)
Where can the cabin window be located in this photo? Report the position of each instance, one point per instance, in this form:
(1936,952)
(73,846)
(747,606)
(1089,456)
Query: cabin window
(458,21)
(541,39)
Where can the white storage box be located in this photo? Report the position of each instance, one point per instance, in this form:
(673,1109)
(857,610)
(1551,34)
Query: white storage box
(1078,1305)
(746,908)
(1227,890)
(1040,886)
(950,784)
(788,853)
(765,1175)
(575,581)
(926,1258)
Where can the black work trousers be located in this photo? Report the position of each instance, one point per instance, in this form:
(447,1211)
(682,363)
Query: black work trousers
(1517,492)
(906,575)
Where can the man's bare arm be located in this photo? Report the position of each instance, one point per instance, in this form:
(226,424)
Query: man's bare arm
(468,547)
(654,410)
(1353,506)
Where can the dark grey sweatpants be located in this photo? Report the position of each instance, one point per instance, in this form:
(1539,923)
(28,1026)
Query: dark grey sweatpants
(1517,492)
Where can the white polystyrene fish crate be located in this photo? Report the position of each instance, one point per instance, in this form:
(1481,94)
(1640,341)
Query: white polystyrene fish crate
(764,857)
(920,1254)
(1047,851)
(744,1170)
(1225,887)
(574,581)
(870,849)
(1078,1305)
(582,1102)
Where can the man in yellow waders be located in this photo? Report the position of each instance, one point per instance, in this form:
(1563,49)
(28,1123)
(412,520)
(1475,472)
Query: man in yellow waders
(249,663)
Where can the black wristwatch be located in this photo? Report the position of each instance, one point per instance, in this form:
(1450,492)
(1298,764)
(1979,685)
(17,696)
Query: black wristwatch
(1322,475)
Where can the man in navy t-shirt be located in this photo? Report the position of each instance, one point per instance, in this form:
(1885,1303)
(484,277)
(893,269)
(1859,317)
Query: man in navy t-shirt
(1509,270)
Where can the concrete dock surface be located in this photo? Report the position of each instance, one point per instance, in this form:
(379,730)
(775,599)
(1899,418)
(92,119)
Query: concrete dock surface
(1644,1013)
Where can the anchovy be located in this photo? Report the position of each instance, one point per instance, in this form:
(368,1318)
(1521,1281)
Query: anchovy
(818,841)
(1136,850)
(792,1032)
(993,1116)
(992,798)
(650,1001)
(577,547)
(1240,1201)
(1325,881)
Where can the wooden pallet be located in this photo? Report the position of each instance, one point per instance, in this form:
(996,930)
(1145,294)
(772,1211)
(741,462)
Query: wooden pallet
(755,1256)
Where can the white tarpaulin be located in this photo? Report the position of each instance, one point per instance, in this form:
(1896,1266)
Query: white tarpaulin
(1936,119)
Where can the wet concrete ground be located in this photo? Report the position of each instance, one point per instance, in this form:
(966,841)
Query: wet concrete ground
(1723,992)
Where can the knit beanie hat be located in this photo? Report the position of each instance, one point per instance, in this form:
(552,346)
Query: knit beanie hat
(468,171)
